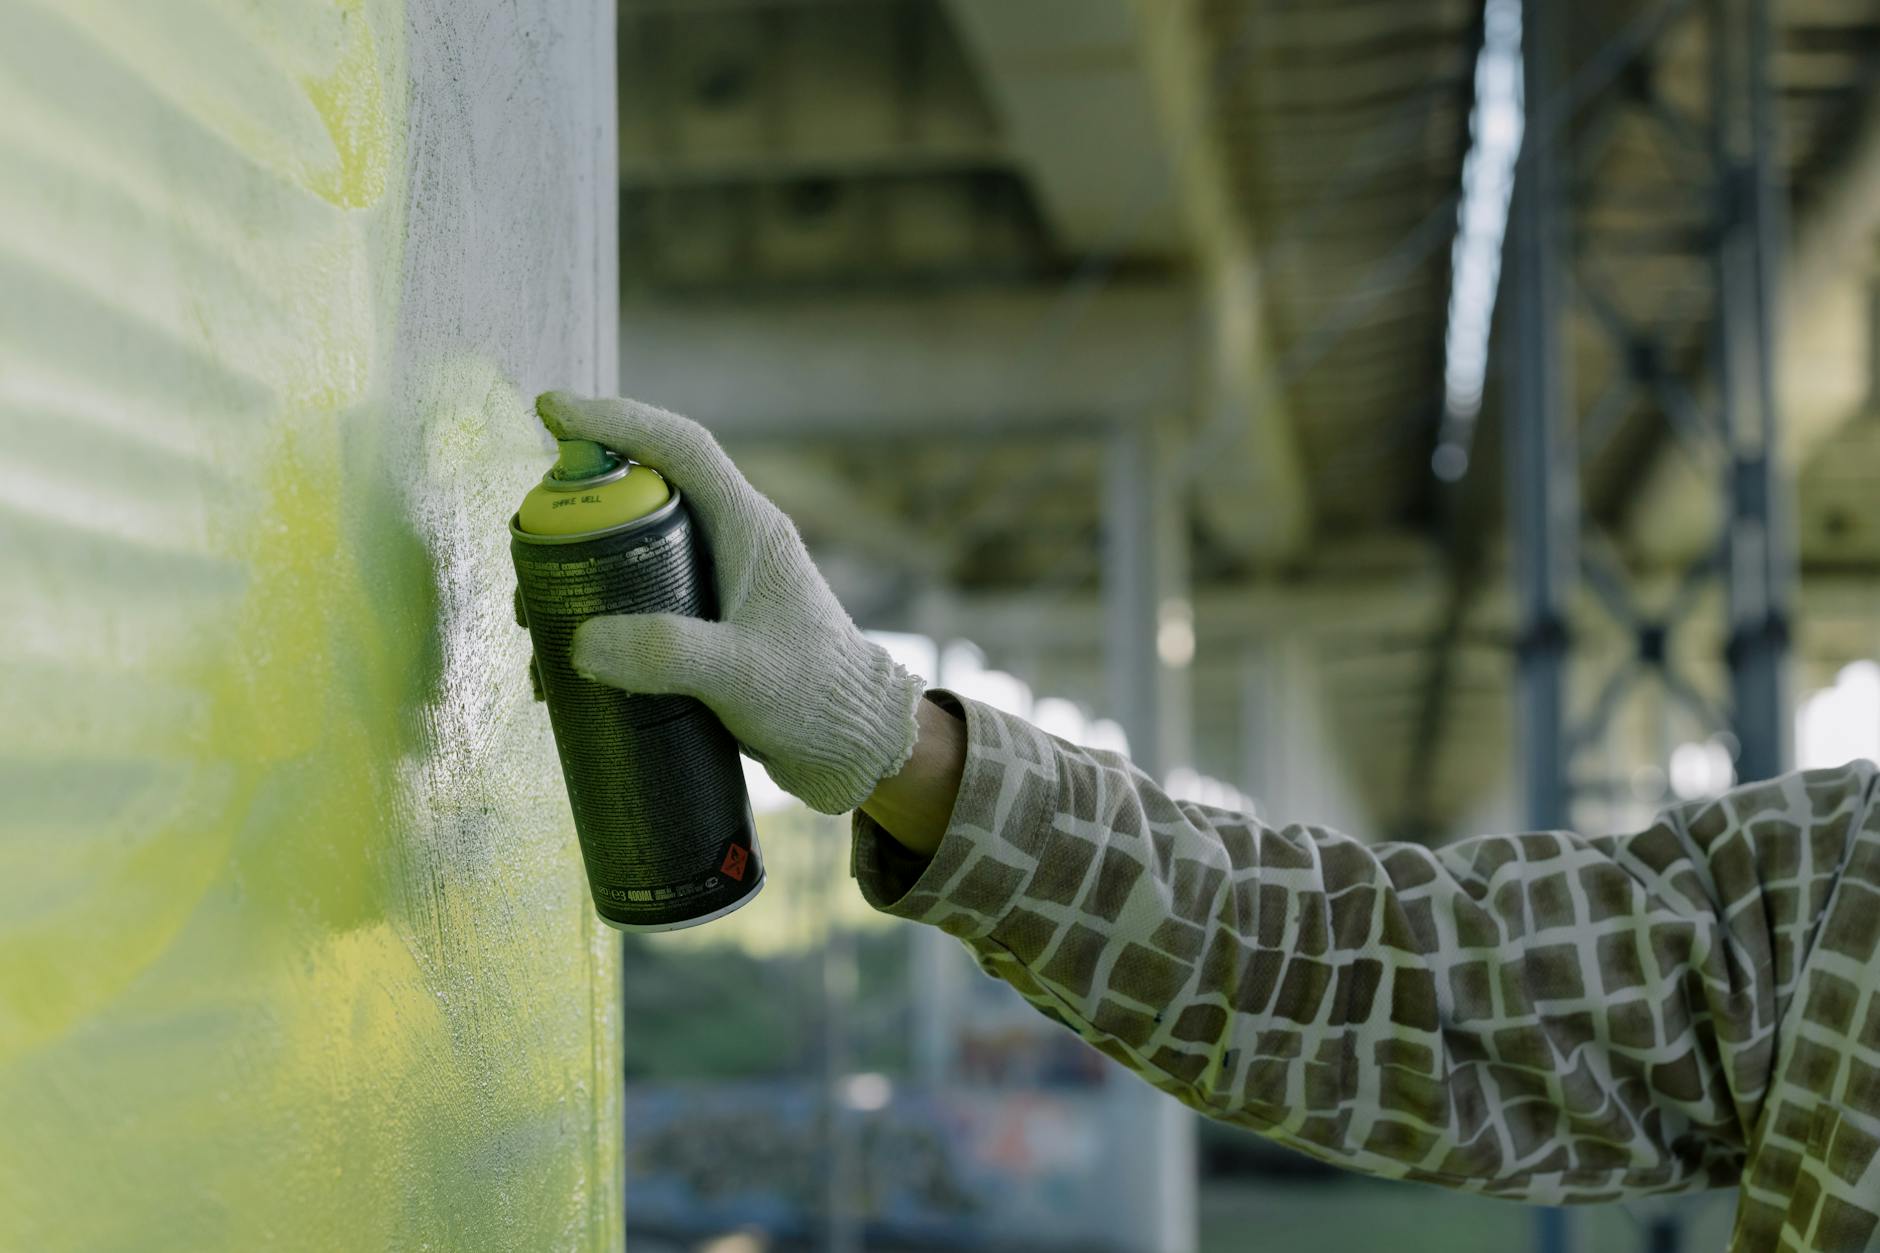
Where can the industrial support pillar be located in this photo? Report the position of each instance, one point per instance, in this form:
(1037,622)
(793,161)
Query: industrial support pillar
(1148,613)
(1152,1158)
(1724,416)
(1759,571)
(1542,470)
(1130,593)
(1542,460)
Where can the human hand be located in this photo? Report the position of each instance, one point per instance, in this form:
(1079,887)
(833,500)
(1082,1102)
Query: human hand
(826,711)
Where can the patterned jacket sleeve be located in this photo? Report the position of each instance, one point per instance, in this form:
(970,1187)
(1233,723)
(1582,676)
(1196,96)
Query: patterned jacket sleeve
(1540,1015)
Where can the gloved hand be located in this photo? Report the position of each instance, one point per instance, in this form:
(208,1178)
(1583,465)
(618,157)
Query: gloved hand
(826,711)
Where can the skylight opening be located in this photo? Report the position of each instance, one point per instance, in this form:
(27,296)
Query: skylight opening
(1496,124)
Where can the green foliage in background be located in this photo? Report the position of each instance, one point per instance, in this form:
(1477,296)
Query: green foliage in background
(718,1011)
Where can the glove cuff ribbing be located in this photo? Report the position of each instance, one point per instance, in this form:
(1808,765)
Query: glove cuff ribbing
(865,732)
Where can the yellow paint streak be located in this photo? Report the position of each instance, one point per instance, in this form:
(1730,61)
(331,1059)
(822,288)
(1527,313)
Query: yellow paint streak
(352,106)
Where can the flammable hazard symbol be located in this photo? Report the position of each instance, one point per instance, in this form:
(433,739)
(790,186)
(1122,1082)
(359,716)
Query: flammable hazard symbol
(737,857)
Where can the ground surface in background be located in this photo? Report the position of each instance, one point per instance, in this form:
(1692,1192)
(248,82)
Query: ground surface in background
(1335,1216)
(1342,1215)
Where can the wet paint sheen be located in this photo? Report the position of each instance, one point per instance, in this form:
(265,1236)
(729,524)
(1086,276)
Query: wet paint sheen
(295,950)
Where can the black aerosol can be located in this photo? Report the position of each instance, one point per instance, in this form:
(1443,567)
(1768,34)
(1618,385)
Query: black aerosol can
(654,781)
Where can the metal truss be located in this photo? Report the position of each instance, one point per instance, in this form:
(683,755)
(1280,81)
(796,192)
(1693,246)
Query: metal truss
(1716,405)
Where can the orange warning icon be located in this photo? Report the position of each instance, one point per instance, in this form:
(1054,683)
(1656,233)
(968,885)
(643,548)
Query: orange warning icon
(735,859)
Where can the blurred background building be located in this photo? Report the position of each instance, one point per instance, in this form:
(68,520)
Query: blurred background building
(1416,418)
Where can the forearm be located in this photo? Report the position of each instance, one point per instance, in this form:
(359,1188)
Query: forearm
(1380,1006)
(914,805)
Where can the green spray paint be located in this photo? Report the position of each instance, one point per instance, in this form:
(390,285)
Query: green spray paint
(294,946)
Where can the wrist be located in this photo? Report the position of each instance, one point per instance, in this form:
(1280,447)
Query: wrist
(914,805)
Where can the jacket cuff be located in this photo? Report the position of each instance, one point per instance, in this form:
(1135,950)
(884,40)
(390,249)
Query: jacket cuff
(1007,800)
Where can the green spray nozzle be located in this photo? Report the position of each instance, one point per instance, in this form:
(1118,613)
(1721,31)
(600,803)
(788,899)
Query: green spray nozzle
(582,459)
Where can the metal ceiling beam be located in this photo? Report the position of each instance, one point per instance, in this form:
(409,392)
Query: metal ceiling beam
(750,93)
(1224,615)
(1061,74)
(709,169)
(844,520)
(1252,486)
(1361,605)
(967,365)
(1063,71)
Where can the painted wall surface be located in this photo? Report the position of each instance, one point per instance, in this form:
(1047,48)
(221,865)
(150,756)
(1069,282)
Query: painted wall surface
(295,949)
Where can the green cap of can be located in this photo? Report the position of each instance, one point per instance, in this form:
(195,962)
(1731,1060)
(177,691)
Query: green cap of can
(582,459)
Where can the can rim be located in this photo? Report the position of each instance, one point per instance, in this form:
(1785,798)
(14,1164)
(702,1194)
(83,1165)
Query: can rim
(580,537)
(683,923)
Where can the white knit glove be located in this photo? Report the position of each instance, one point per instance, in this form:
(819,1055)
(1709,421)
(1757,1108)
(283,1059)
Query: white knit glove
(826,711)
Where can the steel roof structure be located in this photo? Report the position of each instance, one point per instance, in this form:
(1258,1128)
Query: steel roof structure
(921,261)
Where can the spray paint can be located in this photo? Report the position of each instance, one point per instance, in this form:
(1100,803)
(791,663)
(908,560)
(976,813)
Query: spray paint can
(654,781)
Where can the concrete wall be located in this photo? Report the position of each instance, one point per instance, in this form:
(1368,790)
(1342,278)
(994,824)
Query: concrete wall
(295,950)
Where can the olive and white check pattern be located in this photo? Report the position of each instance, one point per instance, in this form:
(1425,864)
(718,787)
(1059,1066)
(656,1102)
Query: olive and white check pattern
(1539,1016)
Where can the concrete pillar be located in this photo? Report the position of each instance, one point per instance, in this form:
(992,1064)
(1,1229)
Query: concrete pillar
(1148,610)
(1289,763)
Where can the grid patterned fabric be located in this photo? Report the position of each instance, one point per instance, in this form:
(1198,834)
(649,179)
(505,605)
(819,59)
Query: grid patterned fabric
(1538,1016)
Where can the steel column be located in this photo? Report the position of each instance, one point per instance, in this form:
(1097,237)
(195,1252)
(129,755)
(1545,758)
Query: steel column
(1759,573)
(1542,467)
